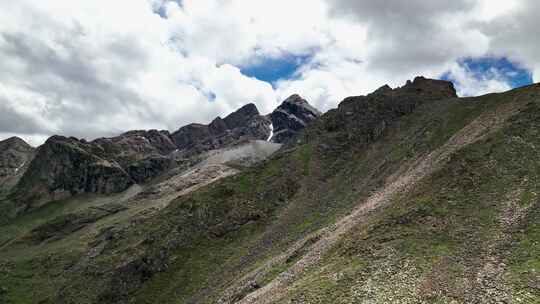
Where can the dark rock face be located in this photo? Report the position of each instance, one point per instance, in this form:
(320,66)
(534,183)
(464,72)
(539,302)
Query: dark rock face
(136,145)
(421,87)
(218,126)
(160,140)
(15,153)
(242,125)
(362,119)
(191,135)
(149,168)
(293,115)
(66,166)
(238,119)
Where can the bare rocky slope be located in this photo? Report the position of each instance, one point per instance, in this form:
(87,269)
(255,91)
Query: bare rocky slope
(406,195)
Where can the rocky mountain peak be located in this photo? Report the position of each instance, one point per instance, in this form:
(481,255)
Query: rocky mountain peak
(422,87)
(65,166)
(365,118)
(139,142)
(295,98)
(431,88)
(241,125)
(241,116)
(296,102)
(15,153)
(14,142)
(218,126)
(385,89)
(293,115)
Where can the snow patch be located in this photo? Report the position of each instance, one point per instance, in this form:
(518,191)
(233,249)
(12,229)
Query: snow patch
(19,168)
(271,132)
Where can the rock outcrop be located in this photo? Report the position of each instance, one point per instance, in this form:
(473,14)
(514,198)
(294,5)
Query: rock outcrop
(15,154)
(239,118)
(143,154)
(242,125)
(150,167)
(67,166)
(363,119)
(293,115)
(134,146)
(421,87)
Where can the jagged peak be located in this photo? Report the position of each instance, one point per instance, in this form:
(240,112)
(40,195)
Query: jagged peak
(297,100)
(59,140)
(293,115)
(431,86)
(14,141)
(243,124)
(56,138)
(420,85)
(384,89)
(142,132)
(249,107)
(240,116)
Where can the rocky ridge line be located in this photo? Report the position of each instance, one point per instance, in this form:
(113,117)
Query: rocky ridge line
(67,166)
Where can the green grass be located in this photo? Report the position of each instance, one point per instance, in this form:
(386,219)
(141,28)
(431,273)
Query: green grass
(304,154)
(442,229)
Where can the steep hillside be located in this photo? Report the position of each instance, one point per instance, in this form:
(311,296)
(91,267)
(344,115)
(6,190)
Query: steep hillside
(407,195)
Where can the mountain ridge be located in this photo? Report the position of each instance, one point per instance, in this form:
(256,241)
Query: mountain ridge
(67,166)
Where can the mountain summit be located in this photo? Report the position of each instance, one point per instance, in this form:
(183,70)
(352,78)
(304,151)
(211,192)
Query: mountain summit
(292,116)
(243,124)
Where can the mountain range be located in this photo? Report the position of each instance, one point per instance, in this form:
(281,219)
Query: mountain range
(405,195)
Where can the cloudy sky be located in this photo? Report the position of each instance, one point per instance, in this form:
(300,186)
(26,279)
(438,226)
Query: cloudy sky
(91,68)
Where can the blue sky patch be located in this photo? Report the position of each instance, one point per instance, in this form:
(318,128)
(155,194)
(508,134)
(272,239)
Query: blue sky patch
(211,96)
(514,74)
(273,69)
(160,9)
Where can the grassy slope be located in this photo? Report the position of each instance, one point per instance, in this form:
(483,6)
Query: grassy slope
(467,234)
(204,242)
